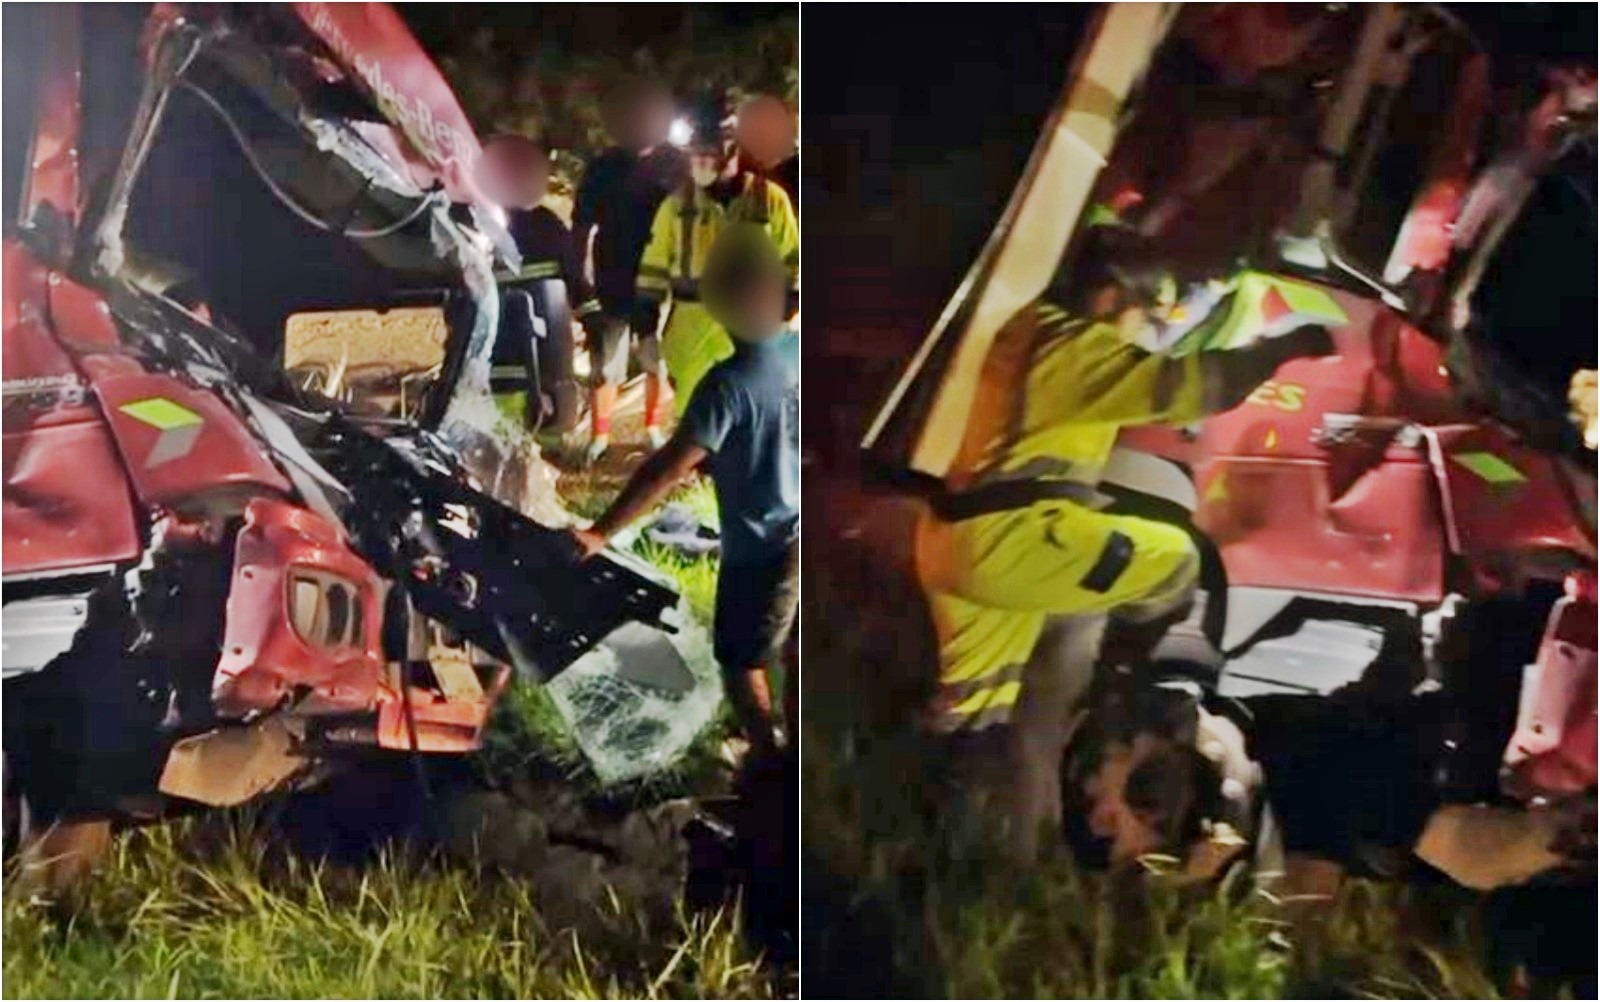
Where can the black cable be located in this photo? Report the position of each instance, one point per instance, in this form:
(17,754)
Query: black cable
(306,215)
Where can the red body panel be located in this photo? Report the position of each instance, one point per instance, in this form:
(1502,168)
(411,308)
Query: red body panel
(66,500)
(1279,525)
(80,316)
(1518,505)
(264,658)
(441,725)
(185,443)
(1294,507)
(374,45)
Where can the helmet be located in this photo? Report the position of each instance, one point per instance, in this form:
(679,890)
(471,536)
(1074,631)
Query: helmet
(708,117)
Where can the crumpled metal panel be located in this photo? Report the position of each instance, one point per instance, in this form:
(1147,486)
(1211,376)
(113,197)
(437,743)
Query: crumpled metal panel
(264,659)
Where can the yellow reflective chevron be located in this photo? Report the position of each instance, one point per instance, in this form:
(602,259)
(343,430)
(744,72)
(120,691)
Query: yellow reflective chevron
(1489,467)
(161,413)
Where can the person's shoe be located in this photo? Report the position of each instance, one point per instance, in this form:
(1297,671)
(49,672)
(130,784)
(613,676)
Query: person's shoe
(655,436)
(597,448)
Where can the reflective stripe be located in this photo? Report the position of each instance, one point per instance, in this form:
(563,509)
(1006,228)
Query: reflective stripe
(956,690)
(653,283)
(588,307)
(983,708)
(536,270)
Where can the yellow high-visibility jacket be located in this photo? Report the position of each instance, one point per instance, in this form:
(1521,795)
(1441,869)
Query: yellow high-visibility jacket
(1081,383)
(682,234)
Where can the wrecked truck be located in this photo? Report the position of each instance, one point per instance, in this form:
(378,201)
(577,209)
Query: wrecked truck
(1413,514)
(261,514)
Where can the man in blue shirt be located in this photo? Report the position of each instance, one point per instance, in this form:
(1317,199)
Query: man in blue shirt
(743,426)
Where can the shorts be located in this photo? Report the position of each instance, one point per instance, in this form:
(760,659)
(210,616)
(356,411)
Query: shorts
(757,605)
(609,341)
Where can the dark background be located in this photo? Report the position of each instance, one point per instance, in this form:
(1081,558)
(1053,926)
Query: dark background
(915,128)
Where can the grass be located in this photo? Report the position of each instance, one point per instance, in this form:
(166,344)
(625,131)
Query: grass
(903,897)
(905,878)
(204,910)
(526,732)
(207,908)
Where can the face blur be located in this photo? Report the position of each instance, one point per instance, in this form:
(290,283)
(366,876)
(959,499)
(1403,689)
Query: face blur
(638,116)
(765,129)
(515,172)
(533,182)
(755,313)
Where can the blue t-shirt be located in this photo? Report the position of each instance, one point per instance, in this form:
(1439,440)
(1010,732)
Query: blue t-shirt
(746,413)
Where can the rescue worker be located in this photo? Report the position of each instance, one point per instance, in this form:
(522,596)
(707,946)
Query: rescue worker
(1018,539)
(718,194)
(542,298)
(616,202)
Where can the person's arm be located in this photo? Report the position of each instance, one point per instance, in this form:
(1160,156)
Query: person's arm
(654,282)
(1484,847)
(712,413)
(649,486)
(1228,377)
(584,221)
(580,291)
(1097,377)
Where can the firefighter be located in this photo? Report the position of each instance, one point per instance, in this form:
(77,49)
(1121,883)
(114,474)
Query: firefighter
(542,298)
(1019,540)
(621,189)
(718,193)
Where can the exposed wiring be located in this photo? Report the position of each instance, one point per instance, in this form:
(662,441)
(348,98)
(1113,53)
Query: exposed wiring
(283,196)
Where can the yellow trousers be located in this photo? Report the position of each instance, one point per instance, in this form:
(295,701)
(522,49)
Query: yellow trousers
(691,344)
(992,581)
